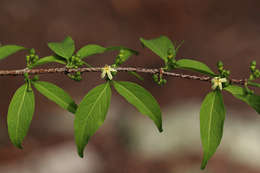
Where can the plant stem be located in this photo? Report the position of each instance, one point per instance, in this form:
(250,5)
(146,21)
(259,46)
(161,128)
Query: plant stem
(20,72)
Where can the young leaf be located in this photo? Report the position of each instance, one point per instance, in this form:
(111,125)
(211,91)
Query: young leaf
(64,49)
(160,46)
(251,99)
(8,50)
(49,59)
(56,94)
(124,54)
(141,99)
(90,49)
(91,114)
(212,116)
(20,113)
(195,66)
(113,48)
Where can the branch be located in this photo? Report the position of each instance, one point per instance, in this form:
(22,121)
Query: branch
(122,69)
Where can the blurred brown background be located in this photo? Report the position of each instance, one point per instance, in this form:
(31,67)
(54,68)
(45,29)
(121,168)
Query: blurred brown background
(128,142)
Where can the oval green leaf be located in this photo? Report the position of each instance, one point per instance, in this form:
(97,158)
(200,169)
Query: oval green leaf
(49,59)
(64,49)
(160,46)
(252,100)
(20,113)
(212,116)
(141,99)
(56,94)
(91,114)
(8,50)
(89,50)
(194,65)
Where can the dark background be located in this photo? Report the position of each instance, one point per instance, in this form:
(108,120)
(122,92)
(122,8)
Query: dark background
(211,30)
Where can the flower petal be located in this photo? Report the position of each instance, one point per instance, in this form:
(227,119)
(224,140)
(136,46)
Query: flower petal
(109,75)
(220,86)
(223,80)
(112,69)
(103,74)
(214,86)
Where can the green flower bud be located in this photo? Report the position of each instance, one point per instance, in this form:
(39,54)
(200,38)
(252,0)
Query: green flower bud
(252,68)
(253,63)
(220,65)
(251,77)
(227,72)
(32,51)
(257,73)
(27,58)
(155,77)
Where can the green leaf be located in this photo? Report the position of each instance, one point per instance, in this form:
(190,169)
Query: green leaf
(212,116)
(114,48)
(124,54)
(56,94)
(49,59)
(251,99)
(254,102)
(91,114)
(253,84)
(64,49)
(160,46)
(20,113)
(141,99)
(8,50)
(89,50)
(194,65)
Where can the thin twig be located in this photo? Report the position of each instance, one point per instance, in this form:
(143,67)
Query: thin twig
(98,69)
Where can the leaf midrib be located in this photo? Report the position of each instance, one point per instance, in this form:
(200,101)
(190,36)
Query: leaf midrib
(48,91)
(210,120)
(87,117)
(204,66)
(137,99)
(19,115)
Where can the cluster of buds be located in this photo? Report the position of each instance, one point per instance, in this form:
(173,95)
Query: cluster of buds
(75,62)
(255,73)
(222,71)
(158,78)
(119,58)
(75,76)
(31,58)
(170,63)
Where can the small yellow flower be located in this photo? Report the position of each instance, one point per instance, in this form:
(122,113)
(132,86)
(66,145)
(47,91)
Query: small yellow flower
(107,71)
(217,82)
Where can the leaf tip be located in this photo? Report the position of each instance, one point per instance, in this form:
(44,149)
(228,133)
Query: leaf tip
(18,145)
(80,153)
(202,167)
(203,164)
